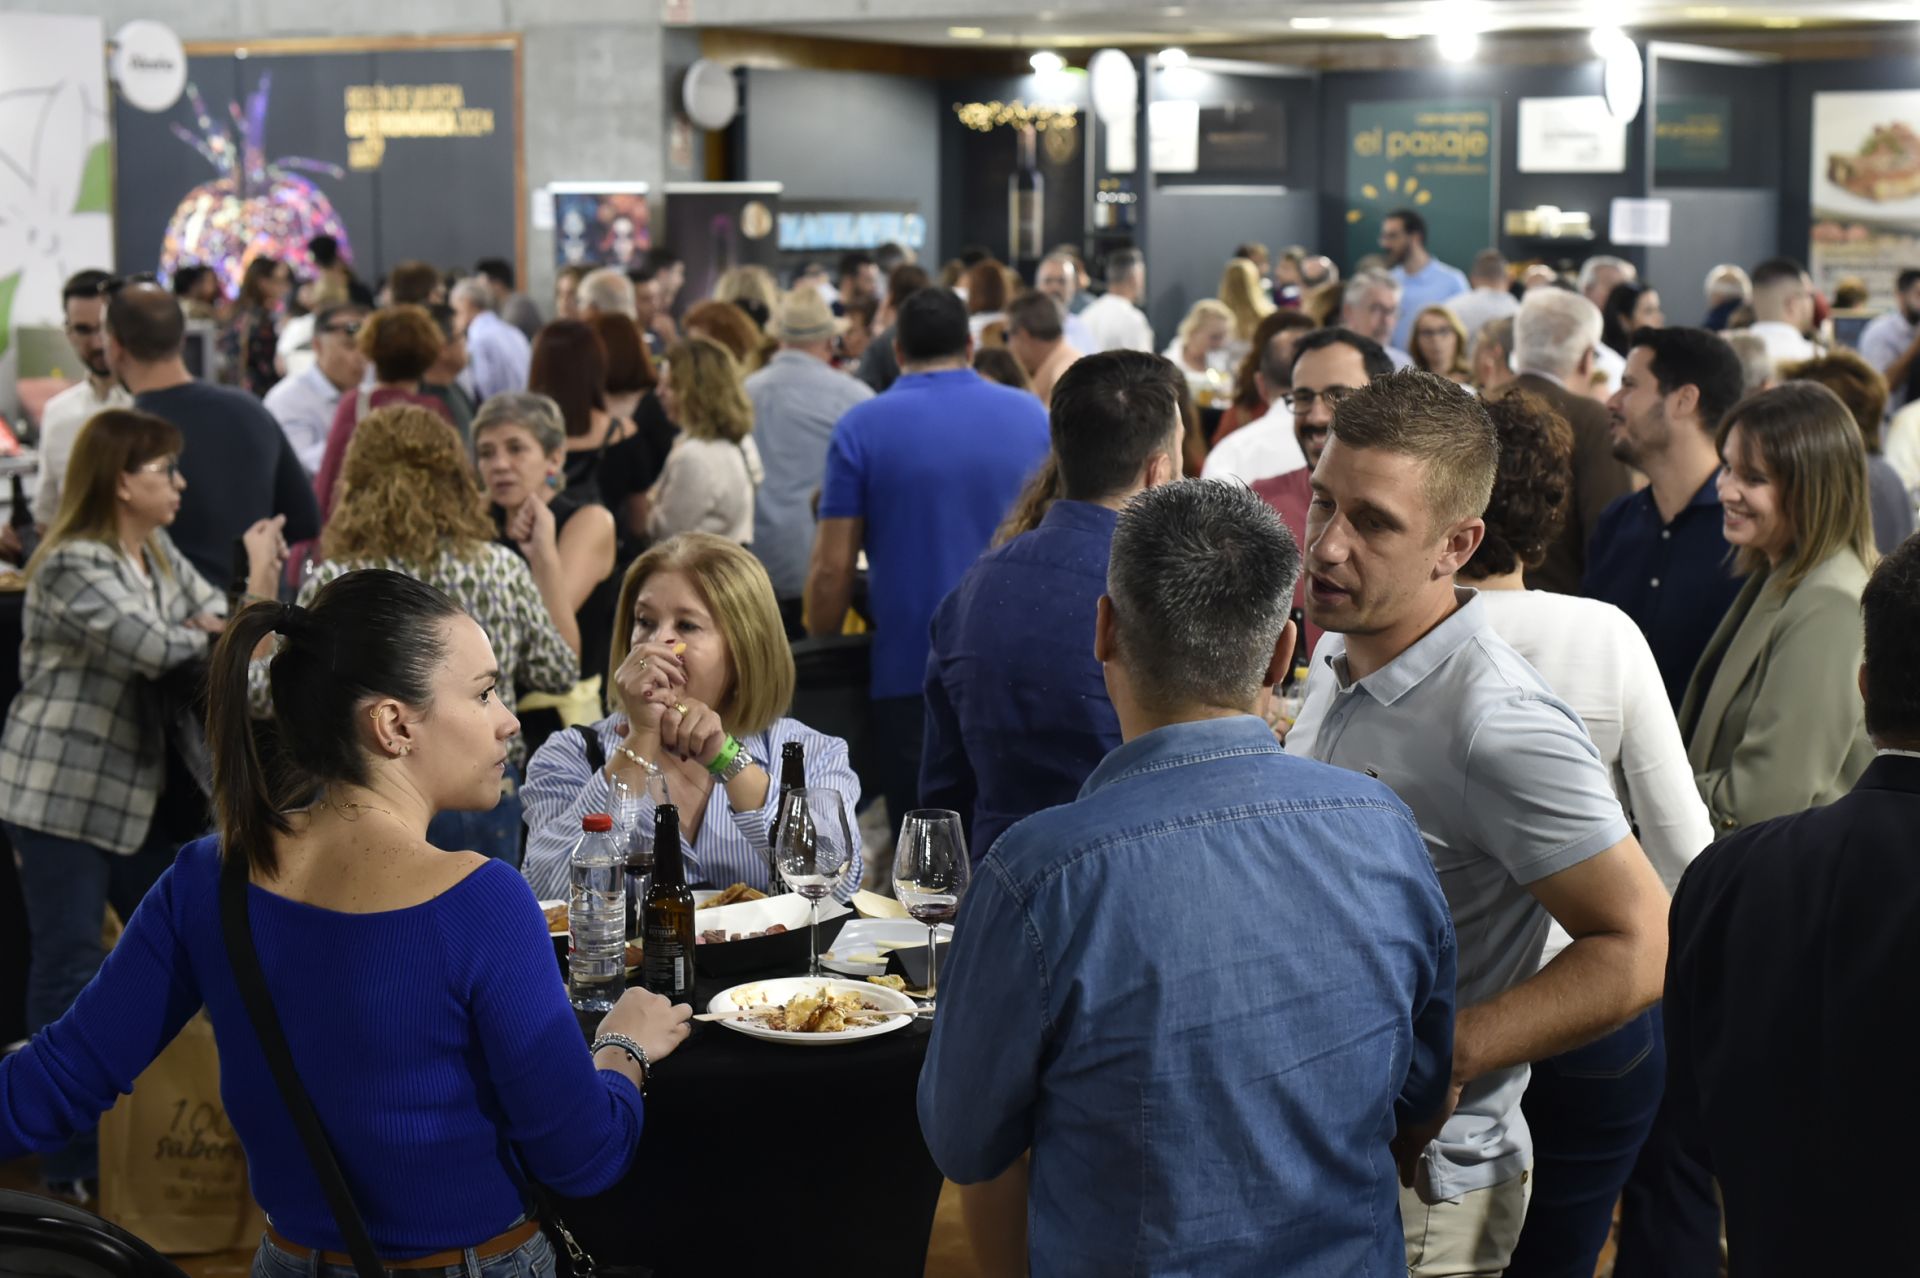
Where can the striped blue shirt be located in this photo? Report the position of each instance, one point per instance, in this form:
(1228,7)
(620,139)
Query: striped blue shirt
(731,847)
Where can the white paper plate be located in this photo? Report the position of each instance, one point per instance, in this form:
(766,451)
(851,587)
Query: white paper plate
(780,990)
(871,940)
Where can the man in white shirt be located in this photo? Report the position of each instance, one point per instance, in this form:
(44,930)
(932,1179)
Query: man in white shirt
(1490,299)
(499,354)
(75,406)
(1115,322)
(1783,310)
(1286,441)
(304,402)
(1059,278)
(1599,276)
(1370,306)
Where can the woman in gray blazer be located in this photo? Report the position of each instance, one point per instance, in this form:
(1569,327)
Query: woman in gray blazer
(1772,716)
(112,606)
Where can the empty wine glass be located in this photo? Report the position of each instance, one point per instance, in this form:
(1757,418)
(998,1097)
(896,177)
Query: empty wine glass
(814,846)
(930,872)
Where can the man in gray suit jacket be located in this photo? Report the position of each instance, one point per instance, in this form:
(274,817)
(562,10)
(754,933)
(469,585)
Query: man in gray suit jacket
(1554,336)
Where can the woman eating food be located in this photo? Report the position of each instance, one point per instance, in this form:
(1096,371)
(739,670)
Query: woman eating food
(702,680)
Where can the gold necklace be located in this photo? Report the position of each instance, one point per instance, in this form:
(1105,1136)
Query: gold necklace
(366,807)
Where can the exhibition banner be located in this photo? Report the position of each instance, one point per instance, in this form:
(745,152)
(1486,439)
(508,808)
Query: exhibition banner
(398,153)
(1440,159)
(1866,189)
(1692,135)
(716,226)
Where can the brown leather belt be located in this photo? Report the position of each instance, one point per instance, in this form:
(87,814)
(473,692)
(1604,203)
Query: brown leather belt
(518,1236)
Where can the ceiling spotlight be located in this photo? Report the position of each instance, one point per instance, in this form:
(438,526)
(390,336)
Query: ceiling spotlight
(1310,24)
(1173,57)
(1047,62)
(966,33)
(1459,44)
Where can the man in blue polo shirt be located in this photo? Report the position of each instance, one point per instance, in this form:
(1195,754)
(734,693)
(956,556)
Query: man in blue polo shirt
(1659,555)
(1017,708)
(919,478)
(1424,279)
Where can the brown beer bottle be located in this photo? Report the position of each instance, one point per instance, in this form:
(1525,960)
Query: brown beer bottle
(666,916)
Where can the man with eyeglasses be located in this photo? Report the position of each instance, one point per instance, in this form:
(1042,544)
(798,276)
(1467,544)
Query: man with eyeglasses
(1329,364)
(304,403)
(1370,306)
(74,407)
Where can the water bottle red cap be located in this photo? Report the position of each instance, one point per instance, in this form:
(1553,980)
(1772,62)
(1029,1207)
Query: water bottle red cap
(596,823)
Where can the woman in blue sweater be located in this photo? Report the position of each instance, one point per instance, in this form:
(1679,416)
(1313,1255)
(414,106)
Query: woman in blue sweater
(417,987)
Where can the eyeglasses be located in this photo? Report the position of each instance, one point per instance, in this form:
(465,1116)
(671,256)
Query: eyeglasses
(350,329)
(168,466)
(1302,401)
(114,283)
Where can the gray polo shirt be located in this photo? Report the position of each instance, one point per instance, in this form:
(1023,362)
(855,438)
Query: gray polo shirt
(796,401)
(1507,790)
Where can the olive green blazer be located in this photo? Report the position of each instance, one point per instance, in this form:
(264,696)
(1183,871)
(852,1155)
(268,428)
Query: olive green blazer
(1772,717)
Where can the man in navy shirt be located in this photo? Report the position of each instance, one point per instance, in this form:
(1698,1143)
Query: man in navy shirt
(1017,710)
(919,477)
(1206,995)
(1658,554)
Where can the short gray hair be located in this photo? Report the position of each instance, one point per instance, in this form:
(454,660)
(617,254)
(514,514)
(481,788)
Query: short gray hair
(1553,330)
(1756,361)
(472,291)
(1365,283)
(1602,261)
(609,291)
(538,415)
(1200,580)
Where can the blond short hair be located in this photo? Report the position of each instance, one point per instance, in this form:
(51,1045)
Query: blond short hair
(739,594)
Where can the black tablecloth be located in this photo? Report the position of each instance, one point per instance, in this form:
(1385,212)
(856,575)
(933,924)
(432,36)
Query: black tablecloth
(758,1157)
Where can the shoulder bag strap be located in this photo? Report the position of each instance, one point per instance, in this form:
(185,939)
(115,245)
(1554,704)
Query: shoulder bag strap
(596,757)
(245,961)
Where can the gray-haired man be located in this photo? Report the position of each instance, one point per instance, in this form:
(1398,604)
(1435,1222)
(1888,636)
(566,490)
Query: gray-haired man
(1215,1015)
(498,354)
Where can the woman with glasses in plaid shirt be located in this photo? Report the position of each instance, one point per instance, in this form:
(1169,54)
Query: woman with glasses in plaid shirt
(93,800)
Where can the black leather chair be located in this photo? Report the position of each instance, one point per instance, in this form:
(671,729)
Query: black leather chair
(830,693)
(47,1238)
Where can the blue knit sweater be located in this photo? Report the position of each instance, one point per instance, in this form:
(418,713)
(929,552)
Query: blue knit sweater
(436,1042)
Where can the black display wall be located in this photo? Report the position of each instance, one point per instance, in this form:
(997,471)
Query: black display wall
(975,166)
(404,153)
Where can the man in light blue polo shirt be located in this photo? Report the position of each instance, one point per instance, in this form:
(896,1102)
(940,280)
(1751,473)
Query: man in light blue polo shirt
(1412,686)
(1424,279)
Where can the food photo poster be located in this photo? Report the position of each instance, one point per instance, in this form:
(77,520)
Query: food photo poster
(1866,189)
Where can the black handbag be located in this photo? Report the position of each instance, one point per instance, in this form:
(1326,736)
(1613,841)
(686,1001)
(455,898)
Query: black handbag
(237,930)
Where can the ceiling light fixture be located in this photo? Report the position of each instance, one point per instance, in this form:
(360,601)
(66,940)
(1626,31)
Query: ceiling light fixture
(1047,62)
(1459,44)
(1310,24)
(1173,57)
(966,33)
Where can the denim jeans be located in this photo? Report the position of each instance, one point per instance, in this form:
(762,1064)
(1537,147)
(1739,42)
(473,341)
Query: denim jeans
(531,1259)
(494,832)
(67,886)
(1590,1110)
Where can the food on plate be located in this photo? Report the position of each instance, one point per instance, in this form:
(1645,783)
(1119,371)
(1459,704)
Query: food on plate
(820,1010)
(556,917)
(898,984)
(1886,167)
(720,935)
(734,895)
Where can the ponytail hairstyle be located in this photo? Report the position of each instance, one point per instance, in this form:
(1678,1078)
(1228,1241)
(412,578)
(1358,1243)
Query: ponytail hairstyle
(369,634)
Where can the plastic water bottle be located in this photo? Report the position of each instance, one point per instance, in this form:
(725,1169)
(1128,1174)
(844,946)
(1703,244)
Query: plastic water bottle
(596,914)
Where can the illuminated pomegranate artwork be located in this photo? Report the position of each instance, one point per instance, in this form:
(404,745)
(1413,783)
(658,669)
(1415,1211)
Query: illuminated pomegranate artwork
(255,206)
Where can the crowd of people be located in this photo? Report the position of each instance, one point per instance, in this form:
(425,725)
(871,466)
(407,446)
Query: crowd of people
(1335,695)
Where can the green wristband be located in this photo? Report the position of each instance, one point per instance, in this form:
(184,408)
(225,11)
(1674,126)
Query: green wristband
(726,756)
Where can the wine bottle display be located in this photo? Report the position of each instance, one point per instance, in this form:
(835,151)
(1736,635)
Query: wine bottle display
(666,917)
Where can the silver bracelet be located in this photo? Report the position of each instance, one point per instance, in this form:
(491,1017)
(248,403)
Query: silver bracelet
(631,1048)
(740,763)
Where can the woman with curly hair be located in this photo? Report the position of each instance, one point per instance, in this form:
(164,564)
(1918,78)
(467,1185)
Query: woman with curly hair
(730,326)
(714,468)
(1590,1109)
(409,504)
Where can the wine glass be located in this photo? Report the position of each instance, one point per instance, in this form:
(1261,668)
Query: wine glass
(814,846)
(930,872)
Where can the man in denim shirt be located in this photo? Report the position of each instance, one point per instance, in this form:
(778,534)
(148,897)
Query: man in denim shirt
(1205,994)
(1412,686)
